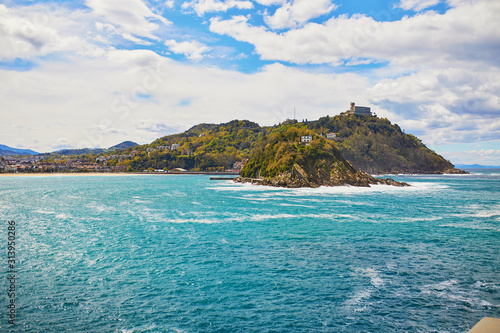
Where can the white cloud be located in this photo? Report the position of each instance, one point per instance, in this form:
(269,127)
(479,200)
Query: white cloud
(270,2)
(27,32)
(416,5)
(94,103)
(206,6)
(481,156)
(443,106)
(412,41)
(169,4)
(193,50)
(131,16)
(296,13)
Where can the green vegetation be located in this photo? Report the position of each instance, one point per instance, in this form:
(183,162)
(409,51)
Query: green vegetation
(204,147)
(371,144)
(376,146)
(281,150)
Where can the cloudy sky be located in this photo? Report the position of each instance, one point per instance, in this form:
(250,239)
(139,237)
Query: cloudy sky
(93,73)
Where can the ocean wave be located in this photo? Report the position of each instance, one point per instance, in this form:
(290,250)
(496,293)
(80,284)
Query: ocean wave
(295,205)
(231,217)
(193,220)
(374,276)
(355,301)
(99,207)
(423,219)
(479,211)
(451,290)
(473,226)
(43,211)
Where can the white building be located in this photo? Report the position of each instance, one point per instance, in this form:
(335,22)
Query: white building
(331,136)
(306,138)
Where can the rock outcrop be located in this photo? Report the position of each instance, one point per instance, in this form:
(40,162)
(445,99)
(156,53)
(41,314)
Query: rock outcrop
(283,161)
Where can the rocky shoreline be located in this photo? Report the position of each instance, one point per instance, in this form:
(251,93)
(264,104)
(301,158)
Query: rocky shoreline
(297,178)
(275,183)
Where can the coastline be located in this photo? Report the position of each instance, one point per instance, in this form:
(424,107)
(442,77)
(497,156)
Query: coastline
(20,174)
(28,174)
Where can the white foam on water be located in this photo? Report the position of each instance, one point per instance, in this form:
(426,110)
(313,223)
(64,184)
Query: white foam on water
(99,207)
(422,219)
(450,290)
(62,216)
(295,205)
(263,217)
(193,220)
(328,190)
(374,276)
(42,211)
(481,284)
(358,297)
(479,211)
(471,225)
(234,217)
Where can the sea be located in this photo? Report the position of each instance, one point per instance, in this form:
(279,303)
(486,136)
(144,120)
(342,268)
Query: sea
(183,253)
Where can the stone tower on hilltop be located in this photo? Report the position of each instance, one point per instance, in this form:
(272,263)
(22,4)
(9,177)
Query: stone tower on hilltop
(359,110)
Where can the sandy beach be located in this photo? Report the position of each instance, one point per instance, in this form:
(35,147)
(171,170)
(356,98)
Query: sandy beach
(66,174)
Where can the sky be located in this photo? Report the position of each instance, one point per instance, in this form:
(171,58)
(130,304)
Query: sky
(93,73)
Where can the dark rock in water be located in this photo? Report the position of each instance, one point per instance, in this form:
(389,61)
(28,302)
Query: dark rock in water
(360,179)
(390,181)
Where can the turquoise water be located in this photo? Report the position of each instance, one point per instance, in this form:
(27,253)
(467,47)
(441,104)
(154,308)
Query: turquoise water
(163,253)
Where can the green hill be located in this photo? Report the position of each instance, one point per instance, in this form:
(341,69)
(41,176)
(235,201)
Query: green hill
(370,144)
(376,146)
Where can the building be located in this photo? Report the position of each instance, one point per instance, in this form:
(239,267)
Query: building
(306,139)
(149,149)
(331,136)
(359,110)
(175,146)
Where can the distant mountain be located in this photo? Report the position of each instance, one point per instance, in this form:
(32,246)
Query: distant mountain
(6,150)
(123,145)
(82,151)
(476,166)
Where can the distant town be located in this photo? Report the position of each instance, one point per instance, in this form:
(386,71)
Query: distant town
(74,164)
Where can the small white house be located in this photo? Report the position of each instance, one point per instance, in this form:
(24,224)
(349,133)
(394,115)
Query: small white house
(306,138)
(175,146)
(331,136)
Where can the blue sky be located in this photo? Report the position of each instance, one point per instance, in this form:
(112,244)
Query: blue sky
(93,73)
